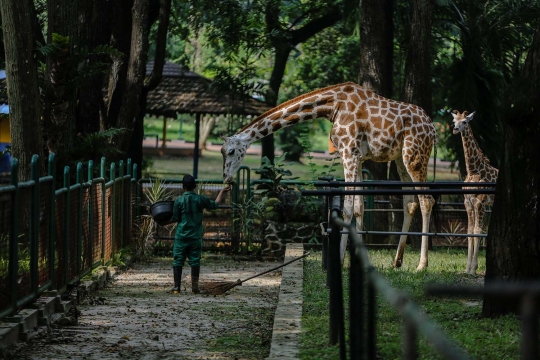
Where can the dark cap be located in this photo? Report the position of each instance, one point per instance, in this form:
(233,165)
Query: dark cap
(188,180)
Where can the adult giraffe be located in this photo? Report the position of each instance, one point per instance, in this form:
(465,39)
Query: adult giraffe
(478,170)
(366,127)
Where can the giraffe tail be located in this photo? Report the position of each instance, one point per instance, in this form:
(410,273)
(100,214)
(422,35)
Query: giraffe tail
(435,145)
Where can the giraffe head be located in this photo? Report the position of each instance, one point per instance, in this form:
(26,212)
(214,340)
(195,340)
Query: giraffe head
(460,120)
(233,150)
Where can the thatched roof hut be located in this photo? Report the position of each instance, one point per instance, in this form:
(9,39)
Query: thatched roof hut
(185,92)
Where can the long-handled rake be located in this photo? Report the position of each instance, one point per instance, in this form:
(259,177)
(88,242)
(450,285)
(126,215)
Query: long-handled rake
(221,287)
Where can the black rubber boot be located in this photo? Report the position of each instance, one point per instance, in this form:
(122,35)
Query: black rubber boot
(195,271)
(177,272)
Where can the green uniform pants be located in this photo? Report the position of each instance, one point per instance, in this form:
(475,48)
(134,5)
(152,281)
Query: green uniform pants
(190,248)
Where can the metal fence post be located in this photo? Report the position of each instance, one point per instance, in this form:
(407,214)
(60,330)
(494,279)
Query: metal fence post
(121,205)
(52,220)
(371,319)
(103,209)
(410,346)
(112,206)
(79,180)
(34,223)
(129,206)
(91,211)
(356,304)
(137,193)
(14,234)
(529,327)
(67,212)
(336,286)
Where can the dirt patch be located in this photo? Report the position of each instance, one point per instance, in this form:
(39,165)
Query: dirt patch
(136,317)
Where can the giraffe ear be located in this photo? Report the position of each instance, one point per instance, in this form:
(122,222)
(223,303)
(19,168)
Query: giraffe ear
(455,113)
(470,116)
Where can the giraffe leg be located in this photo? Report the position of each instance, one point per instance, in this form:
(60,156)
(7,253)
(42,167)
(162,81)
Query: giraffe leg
(479,221)
(347,217)
(409,207)
(351,175)
(417,173)
(470,230)
(426,204)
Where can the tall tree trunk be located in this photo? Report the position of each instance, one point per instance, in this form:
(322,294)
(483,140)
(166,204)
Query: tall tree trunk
(376,59)
(280,62)
(22,85)
(513,243)
(121,41)
(417,87)
(207,124)
(135,74)
(59,102)
(376,66)
(91,33)
(283,43)
(136,148)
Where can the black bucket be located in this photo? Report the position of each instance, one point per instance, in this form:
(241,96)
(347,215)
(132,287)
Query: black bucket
(162,211)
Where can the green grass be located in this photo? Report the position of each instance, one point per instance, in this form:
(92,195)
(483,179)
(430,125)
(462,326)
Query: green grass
(154,126)
(211,163)
(459,318)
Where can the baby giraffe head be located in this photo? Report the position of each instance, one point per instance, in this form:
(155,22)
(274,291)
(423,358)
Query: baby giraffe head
(460,120)
(233,150)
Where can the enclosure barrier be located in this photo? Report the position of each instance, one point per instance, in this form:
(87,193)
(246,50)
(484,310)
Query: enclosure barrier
(51,237)
(362,274)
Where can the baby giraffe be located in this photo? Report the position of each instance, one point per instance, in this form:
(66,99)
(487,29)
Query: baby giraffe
(478,170)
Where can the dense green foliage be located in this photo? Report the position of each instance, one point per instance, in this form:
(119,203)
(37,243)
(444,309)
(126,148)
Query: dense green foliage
(478,49)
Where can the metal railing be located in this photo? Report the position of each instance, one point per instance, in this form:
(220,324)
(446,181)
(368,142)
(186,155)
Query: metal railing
(365,282)
(362,345)
(51,237)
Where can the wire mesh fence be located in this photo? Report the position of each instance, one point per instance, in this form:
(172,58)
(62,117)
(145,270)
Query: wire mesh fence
(52,237)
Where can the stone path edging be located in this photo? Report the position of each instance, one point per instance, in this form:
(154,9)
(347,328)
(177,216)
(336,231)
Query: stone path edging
(287,320)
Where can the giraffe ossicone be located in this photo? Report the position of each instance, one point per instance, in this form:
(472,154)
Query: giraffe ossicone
(366,126)
(478,170)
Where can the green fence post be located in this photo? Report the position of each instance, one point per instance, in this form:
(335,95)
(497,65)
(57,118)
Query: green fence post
(137,193)
(14,235)
(129,205)
(67,208)
(102,168)
(113,203)
(103,209)
(121,205)
(34,223)
(91,212)
(79,180)
(52,219)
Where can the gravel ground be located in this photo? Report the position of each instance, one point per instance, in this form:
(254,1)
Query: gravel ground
(136,316)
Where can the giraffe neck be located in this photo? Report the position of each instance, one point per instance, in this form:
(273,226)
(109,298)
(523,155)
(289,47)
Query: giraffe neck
(474,157)
(313,105)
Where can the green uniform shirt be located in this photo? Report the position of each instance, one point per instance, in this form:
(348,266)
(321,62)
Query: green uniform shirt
(188,213)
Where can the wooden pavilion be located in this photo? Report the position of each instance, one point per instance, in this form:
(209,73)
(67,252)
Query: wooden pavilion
(184,92)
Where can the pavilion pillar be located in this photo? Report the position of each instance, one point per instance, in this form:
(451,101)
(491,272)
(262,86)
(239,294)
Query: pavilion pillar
(164,140)
(196,149)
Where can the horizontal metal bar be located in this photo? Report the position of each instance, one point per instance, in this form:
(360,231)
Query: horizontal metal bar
(400,301)
(338,192)
(25,300)
(378,183)
(499,288)
(365,232)
(7,188)
(44,287)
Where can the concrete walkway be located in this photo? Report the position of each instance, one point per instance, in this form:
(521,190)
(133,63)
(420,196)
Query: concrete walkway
(135,316)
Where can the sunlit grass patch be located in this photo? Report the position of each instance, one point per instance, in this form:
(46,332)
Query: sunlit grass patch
(459,317)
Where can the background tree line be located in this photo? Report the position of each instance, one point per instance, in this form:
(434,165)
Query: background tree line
(77,86)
